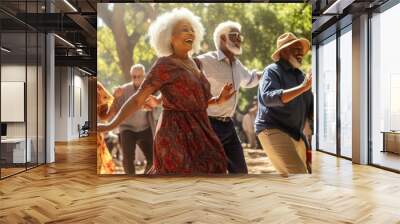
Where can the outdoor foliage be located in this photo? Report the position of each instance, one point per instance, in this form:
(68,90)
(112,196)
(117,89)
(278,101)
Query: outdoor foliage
(122,30)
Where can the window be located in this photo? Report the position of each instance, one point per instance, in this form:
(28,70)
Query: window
(23,76)
(385,88)
(327,96)
(346,93)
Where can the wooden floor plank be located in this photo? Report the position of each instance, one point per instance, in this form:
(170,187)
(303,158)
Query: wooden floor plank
(70,191)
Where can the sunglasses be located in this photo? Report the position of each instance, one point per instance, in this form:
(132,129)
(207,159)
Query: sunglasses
(235,36)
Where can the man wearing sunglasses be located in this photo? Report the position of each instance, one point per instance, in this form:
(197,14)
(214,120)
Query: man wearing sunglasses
(220,67)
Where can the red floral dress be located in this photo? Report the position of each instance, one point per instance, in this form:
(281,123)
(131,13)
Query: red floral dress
(105,163)
(184,142)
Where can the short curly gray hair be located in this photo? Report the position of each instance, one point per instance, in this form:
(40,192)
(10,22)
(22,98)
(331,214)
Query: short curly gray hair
(222,29)
(137,67)
(160,31)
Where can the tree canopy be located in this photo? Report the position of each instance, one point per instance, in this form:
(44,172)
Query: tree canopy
(122,39)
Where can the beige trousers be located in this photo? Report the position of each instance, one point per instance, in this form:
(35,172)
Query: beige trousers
(286,154)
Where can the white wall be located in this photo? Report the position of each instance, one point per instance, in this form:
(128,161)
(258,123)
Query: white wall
(34,124)
(80,110)
(71,94)
(13,73)
(61,104)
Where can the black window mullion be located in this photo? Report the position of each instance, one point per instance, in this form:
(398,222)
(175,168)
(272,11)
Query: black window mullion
(26,87)
(369,96)
(37,91)
(44,79)
(316,97)
(338,98)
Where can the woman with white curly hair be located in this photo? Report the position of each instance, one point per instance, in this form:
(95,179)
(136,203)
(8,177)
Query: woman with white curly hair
(184,142)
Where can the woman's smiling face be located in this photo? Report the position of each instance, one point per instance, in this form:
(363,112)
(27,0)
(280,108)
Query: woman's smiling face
(183,36)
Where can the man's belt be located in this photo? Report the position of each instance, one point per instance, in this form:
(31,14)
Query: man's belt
(223,119)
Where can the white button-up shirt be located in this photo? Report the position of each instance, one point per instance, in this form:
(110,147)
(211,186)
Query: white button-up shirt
(218,71)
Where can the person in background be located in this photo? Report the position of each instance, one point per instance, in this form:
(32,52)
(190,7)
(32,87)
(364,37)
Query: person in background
(248,124)
(138,128)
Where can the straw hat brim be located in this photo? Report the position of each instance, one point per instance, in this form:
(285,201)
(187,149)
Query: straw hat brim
(306,47)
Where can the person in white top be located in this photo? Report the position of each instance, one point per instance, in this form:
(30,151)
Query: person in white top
(220,67)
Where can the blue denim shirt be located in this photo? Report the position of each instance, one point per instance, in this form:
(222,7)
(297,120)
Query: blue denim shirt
(272,112)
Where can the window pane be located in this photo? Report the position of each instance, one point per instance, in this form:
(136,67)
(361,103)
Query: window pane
(327,96)
(14,153)
(385,82)
(346,94)
(314,90)
(31,97)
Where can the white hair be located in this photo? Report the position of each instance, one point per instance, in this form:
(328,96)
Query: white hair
(137,66)
(224,28)
(160,31)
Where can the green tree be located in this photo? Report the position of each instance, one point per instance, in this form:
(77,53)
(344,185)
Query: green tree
(123,40)
(128,24)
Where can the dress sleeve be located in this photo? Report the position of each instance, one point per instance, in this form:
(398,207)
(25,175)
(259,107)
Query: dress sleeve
(104,100)
(161,73)
(207,89)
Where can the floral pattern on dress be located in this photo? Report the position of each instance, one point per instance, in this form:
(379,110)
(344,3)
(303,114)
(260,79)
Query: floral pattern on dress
(184,142)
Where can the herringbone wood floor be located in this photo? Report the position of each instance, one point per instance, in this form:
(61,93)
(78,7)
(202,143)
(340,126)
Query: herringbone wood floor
(69,191)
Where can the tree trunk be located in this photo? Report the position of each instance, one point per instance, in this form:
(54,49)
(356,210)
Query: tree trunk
(122,41)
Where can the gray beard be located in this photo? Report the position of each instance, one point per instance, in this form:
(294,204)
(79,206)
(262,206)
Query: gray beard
(232,48)
(294,62)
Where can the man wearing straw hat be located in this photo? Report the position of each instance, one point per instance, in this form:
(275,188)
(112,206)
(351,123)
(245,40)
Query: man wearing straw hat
(285,102)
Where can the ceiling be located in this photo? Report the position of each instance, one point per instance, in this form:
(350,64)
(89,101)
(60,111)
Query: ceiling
(74,22)
(326,13)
